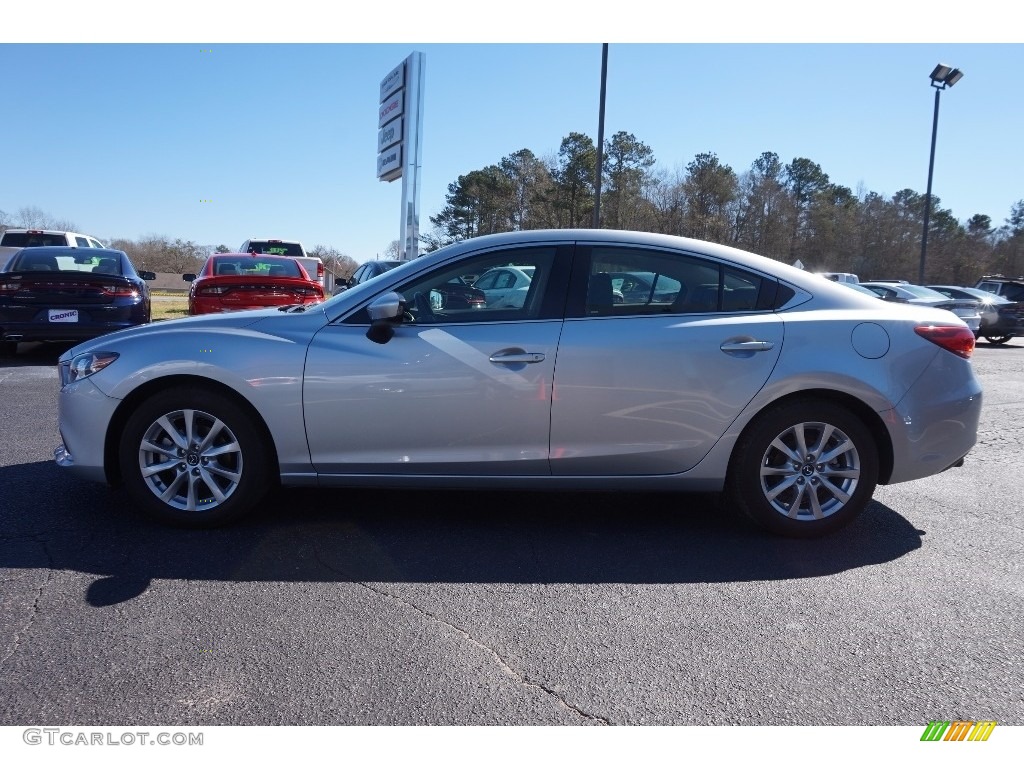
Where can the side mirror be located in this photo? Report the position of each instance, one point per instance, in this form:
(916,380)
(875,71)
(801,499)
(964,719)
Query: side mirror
(390,306)
(385,313)
(147,275)
(188,277)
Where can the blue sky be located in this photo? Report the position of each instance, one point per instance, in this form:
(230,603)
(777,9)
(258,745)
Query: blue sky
(217,140)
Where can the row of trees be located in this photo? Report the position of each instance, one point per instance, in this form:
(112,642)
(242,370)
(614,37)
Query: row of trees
(786,211)
(159,253)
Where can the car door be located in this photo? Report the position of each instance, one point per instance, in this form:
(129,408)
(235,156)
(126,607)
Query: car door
(462,390)
(648,387)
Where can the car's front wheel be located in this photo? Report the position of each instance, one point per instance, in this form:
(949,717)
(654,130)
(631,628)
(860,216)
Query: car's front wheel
(804,469)
(193,457)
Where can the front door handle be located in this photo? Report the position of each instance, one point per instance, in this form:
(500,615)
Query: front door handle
(517,357)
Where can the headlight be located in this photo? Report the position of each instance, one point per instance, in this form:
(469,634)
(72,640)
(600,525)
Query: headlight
(85,365)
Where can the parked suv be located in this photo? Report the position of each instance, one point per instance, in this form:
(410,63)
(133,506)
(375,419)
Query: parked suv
(1011,288)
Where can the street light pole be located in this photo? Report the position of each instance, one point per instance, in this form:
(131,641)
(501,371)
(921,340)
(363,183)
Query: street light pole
(942,77)
(600,138)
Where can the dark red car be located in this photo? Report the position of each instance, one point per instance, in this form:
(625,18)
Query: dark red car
(232,281)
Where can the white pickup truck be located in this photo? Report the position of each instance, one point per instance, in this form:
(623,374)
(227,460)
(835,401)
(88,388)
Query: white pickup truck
(313,265)
(13,240)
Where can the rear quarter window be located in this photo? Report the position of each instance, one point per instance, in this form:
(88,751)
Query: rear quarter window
(31,239)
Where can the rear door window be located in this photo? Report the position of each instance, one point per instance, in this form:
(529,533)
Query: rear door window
(635,281)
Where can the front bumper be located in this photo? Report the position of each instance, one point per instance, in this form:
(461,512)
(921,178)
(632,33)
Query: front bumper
(83,417)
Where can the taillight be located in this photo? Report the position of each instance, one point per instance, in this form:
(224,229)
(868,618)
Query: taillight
(319,270)
(120,290)
(212,290)
(958,339)
(9,288)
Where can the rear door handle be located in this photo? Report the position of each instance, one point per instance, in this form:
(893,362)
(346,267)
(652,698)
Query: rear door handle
(747,346)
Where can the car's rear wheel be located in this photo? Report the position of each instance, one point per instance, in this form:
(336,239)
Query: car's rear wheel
(193,457)
(998,339)
(8,348)
(804,468)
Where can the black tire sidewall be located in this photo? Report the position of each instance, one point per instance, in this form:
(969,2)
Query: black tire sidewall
(252,485)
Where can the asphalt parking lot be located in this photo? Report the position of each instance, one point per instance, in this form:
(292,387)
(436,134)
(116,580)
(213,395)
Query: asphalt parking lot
(433,608)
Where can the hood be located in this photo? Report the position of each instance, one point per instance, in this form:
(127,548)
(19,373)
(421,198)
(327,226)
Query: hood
(220,321)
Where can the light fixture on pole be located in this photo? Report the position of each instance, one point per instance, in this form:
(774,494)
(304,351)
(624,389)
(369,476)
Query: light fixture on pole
(942,77)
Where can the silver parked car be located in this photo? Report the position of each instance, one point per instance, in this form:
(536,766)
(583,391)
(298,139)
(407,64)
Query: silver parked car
(794,395)
(967,310)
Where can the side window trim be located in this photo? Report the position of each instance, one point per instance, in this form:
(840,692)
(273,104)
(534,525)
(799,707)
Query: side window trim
(551,304)
(763,300)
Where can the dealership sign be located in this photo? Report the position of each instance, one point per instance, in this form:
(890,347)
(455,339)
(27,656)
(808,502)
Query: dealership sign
(400,142)
(390,138)
(389,163)
(389,135)
(395,79)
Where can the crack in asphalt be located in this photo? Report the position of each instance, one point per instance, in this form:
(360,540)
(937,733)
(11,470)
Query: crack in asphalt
(522,679)
(23,632)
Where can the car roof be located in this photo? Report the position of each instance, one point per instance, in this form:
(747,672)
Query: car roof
(808,284)
(794,275)
(615,236)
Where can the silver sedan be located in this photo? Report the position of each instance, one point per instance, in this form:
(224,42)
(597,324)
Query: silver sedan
(967,310)
(793,395)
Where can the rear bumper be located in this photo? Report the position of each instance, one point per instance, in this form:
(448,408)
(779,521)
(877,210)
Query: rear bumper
(936,424)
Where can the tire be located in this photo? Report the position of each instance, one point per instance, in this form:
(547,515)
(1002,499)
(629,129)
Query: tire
(8,348)
(796,495)
(998,339)
(218,478)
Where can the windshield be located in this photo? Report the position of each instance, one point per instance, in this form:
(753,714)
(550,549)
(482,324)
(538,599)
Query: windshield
(921,292)
(50,260)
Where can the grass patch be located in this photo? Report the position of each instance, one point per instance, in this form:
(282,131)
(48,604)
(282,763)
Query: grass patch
(169,309)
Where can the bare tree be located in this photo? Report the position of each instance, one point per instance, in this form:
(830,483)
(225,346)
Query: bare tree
(159,254)
(340,264)
(33,217)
